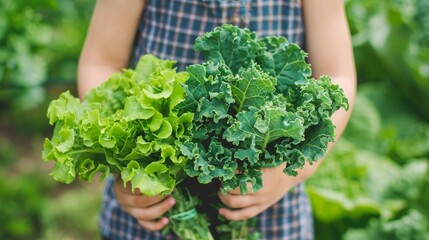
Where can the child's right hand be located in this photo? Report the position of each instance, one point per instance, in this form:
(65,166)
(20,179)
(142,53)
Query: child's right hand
(146,210)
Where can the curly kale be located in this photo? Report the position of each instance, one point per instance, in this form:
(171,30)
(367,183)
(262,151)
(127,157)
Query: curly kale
(255,105)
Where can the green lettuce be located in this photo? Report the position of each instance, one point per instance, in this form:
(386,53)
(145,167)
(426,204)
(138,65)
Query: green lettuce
(128,125)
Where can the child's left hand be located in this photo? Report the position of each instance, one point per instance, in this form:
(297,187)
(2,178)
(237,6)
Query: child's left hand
(275,185)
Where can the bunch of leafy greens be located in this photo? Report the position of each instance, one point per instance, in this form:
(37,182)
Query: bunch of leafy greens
(255,105)
(127,125)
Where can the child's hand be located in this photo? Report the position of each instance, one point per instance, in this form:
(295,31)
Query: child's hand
(147,210)
(275,185)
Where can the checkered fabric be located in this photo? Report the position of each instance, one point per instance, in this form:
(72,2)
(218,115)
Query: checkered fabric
(168,30)
(169,27)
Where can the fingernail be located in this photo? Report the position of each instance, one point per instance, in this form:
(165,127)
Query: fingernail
(165,220)
(172,201)
(221,211)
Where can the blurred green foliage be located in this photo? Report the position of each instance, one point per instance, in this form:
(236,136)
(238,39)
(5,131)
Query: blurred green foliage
(377,173)
(41,40)
(40,43)
(32,208)
(391,42)
(375,182)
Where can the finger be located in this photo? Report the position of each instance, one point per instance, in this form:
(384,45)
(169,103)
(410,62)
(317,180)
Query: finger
(240,214)
(129,199)
(152,212)
(141,201)
(126,188)
(154,225)
(236,191)
(119,182)
(238,201)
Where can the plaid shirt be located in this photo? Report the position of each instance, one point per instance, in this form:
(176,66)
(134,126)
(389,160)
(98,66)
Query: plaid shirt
(168,30)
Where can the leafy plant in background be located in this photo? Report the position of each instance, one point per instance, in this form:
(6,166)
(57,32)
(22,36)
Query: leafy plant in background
(392,42)
(73,214)
(380,187)
(23,203)
(413,225)
(29,210)
(70,21)
(31,50)
(23,38)
(376,177)
(40,42)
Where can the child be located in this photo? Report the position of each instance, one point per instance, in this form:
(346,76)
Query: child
(168,29)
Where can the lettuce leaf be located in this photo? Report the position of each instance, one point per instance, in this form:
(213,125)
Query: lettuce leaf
(128,125)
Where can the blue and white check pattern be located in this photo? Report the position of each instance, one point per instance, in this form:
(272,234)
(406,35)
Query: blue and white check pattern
(168,30)
(169,27)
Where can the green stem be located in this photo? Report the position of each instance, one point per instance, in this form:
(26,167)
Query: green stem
(266,139)
(233,234)
(243,230)
(186,222)
(189,235)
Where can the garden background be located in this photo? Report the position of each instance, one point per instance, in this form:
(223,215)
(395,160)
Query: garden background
(374,184)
